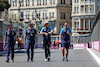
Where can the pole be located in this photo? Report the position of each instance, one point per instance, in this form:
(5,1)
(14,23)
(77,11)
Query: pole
(19,18)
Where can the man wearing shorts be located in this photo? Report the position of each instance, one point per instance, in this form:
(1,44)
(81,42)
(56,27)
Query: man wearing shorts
(66,32)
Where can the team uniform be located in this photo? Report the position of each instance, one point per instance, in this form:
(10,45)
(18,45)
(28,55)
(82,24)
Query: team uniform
(66,37)
(30,34)
(46,41)
(10,43)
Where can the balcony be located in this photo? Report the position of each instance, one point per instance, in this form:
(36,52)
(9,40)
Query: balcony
(82,30)
(83,13)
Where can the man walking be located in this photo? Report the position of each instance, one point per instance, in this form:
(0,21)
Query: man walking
(66,32)
(46,31)
(10,40)
(31,35)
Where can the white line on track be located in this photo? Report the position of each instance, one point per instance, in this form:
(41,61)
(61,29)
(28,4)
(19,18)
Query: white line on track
(94,55)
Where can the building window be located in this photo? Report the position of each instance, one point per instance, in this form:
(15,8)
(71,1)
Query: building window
(50,1)
(90,23)
(75,9)
(50,15)
(39,16)
(86,8)
(70,2)
(46,16)
(33,2)
(43,2)
(28,16)
(92,8)
(76,1)
(86,23)
(27,2)
(46,2)
(63,15)
(33,16)
(63,1)
(38,2)
(14,3)
(53,1)
(21,2)
(43,16)
(21,14)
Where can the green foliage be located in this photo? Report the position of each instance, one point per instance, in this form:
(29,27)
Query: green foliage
(39,27)
(4,4)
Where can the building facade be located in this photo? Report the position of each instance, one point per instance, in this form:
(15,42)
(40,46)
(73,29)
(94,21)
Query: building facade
(83,14)
(56,12)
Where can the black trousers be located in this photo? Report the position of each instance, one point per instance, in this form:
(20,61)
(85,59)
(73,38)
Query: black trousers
(10,47)
(19,45)
(32,50)
(47,48)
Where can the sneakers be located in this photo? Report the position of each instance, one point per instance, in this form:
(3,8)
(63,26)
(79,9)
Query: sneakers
(12,60)
(28,59)
(63,59)
(49,58)
(7,61)
(46,60)
(66,59)
(31,60)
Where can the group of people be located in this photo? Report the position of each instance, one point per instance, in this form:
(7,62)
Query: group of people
(32,39)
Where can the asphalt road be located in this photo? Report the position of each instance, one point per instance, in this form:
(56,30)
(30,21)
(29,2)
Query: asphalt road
(77,58)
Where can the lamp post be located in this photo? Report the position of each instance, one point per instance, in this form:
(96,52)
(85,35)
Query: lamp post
(19,17)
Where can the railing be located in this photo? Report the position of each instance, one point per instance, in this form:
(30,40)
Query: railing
(83,28)
(83,13)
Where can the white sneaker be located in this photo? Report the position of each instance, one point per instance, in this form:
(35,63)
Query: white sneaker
(46,60)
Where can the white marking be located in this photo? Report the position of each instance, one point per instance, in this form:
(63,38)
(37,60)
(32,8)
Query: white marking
(94,55)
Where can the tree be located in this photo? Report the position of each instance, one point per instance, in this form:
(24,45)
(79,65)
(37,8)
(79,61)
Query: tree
(4,4)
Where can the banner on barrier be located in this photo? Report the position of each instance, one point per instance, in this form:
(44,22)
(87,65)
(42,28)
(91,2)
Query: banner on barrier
(80,46)
(96,45)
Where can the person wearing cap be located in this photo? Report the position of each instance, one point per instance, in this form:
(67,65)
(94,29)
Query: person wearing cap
(46,31)
(31,35)
(9,42)
(66,32)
